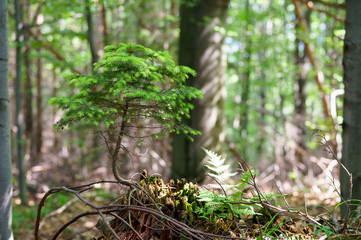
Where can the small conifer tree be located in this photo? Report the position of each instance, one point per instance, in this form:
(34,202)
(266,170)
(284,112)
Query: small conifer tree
(134,85)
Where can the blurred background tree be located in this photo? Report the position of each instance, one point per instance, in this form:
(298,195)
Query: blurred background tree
(201,40)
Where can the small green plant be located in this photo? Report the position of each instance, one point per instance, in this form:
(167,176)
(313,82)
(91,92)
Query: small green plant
(221,205)
(136,88)
(216,164)
(327,230)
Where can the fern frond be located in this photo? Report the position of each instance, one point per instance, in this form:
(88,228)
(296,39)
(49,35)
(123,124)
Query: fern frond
(218,167)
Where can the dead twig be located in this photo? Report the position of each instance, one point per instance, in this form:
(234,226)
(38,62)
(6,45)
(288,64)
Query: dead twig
(319,133)
(113,210)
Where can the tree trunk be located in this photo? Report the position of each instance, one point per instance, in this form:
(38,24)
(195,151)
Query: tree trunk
(90,33)
(6,189)
(351,147)
(28,95)
(245,82)
(30,141)
(300,98)
(53,120)
(103,11)
(18,98)
(201,48)
(39,112)
(95,57)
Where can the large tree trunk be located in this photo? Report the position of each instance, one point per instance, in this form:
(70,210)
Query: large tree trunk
(5,159)
(18,98)
(351,147)
(201,49)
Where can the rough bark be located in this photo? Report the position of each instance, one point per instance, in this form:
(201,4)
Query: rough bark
(201,49)
(5,159)
(18,99)
(351,147)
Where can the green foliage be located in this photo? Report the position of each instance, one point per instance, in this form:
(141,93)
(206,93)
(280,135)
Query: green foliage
(223,205)
(217,165)
(134,83)
(327,230)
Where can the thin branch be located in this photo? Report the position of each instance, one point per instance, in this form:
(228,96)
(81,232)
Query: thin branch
(318,76)
(128,225)
(309,4)
(57,211)
(281,210)
(50,48)
(325,143)
(330,4)
(237,154)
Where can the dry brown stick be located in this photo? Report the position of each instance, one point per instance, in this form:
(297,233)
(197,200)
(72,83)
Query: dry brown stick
(77,193)
(318,76)
(329,4)
(76,218)
(37,12)
(281,210)
(269,205)
(38,216)
(185,230)
(52,191)
(324,142)
(57,211)
(50,48)
(128,225)
(309,4)
(239,157)
(190,231)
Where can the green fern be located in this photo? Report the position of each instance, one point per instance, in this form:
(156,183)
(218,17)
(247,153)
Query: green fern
(223,205)
(220,170)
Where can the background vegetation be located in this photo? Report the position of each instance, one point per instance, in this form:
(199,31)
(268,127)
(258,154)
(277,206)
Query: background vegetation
(282,79)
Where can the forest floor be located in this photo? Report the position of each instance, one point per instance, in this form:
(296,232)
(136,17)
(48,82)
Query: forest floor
(62,207)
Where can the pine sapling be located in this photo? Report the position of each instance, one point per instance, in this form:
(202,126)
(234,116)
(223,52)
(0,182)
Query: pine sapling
(134,86)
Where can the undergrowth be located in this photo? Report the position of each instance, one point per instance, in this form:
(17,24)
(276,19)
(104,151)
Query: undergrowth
(233,207)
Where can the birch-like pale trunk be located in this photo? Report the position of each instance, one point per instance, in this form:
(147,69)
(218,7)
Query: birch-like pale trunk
(5,159)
